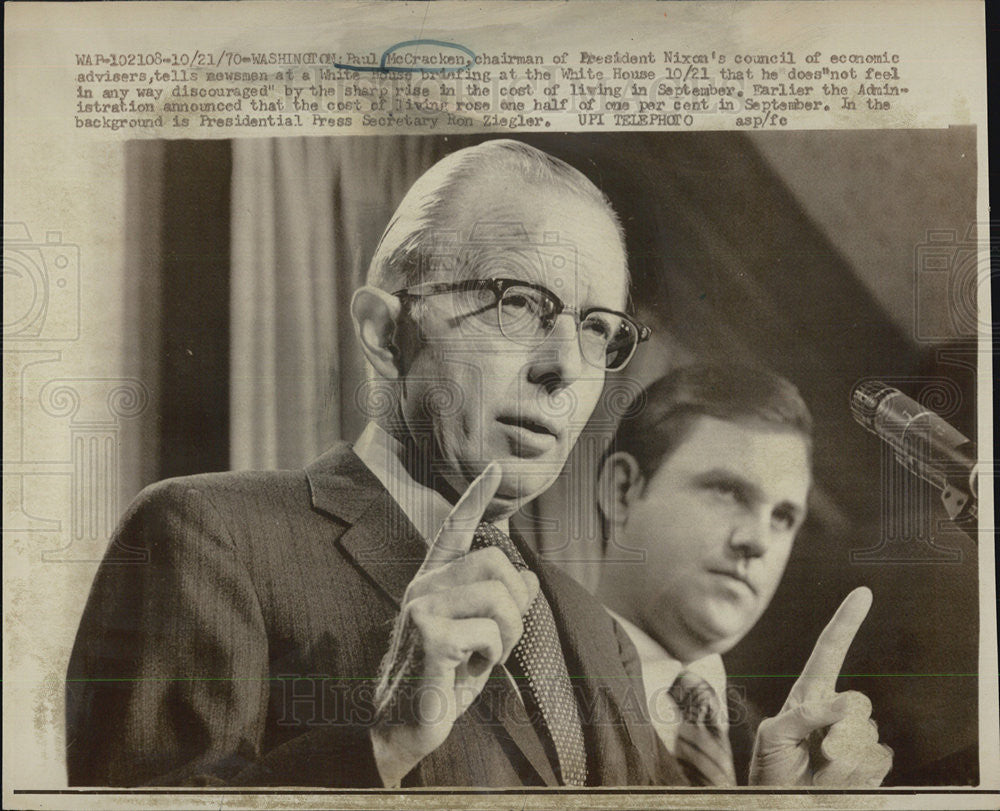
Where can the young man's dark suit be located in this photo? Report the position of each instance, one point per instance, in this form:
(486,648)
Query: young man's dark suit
(744,718)
(237,624)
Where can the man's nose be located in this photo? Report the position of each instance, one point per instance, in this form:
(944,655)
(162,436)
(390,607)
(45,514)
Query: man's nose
(556,363)
(751,535)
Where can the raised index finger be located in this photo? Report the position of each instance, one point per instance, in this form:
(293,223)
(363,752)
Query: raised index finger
(819,676)
(455,536)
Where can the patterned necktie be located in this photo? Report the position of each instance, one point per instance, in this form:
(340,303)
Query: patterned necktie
(702,747)
(538,658)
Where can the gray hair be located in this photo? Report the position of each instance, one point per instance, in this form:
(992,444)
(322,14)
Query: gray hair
(406,248)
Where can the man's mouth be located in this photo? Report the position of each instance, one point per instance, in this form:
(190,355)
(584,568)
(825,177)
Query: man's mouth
(529,424)
(734,575)
(528,437)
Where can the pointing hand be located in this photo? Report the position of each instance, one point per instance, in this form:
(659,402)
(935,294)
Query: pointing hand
(822,737)
(460,616)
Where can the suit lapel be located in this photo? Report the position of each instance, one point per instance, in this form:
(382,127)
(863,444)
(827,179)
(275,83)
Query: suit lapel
(386,546)
(379,538)
(505,706)
(383,543)
(744,718)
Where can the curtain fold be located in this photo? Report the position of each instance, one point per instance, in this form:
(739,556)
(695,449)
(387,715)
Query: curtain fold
(307,213)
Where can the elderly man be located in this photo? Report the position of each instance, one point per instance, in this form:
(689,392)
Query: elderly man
(368,621)
(709,484)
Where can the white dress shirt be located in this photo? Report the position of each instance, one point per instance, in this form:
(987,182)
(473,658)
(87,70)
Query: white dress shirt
(660,670)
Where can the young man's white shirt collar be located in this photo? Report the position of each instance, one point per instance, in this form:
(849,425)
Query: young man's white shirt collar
(660,670)
(426,508)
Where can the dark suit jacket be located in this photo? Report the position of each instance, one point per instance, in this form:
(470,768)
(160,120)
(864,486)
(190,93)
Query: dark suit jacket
(744,718)
(234,634)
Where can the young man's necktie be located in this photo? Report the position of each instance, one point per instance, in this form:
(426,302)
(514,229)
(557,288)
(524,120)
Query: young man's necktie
(702,746)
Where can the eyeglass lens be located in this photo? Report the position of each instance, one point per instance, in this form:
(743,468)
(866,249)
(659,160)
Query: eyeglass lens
(527,316)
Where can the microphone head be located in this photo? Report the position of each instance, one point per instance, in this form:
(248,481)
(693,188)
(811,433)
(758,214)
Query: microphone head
(866,399)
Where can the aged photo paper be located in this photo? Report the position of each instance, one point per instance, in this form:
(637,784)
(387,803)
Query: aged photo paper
(194,191)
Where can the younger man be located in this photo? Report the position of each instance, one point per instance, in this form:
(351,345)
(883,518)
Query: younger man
(710,483)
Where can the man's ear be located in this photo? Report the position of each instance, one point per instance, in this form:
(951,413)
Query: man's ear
(618,485)
(374,312)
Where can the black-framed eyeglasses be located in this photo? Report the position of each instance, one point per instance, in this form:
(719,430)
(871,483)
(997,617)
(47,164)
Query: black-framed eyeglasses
(526,314)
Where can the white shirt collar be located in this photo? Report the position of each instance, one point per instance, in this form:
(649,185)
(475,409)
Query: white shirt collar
(426,508)
(660,670)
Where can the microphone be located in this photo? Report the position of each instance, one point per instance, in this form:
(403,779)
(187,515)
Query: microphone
(924,443)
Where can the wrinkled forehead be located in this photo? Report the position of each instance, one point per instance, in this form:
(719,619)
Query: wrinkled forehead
(548,236)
